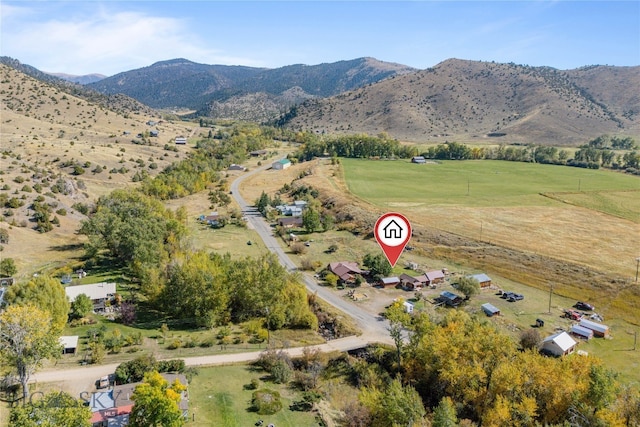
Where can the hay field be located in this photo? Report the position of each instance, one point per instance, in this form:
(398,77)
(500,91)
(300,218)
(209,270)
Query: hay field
(500,203)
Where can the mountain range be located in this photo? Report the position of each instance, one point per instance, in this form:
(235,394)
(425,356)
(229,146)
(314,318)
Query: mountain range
(460,100)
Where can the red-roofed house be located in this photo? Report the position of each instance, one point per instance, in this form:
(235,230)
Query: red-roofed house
(118,416)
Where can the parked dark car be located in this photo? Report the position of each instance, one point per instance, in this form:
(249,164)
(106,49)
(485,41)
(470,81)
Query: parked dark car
(515,297)
(584,306)
(506,295)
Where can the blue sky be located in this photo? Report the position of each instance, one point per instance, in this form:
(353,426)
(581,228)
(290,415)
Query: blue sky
(107,37)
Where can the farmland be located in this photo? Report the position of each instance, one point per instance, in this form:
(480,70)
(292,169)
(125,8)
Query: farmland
(501,203)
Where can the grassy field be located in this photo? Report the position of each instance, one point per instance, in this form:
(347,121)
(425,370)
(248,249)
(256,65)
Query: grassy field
(474,183)
(501,203)
(217,397)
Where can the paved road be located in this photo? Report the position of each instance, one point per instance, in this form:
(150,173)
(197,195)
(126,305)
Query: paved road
(373,329)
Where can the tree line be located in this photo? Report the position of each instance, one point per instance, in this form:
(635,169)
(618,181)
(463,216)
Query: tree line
(600,152)
(462,370)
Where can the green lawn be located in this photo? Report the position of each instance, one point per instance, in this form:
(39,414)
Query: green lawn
(217,397)
(480,183)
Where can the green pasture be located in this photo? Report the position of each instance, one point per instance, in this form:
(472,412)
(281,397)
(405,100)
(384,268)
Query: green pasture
(481,183)
(218,397)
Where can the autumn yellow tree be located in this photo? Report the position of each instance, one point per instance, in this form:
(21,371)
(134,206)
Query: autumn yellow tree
(27,337)
(156,403)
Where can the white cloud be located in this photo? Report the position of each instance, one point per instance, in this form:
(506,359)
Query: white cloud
(107,43)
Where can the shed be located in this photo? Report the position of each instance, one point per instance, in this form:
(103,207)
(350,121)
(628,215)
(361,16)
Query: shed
(581,332)
(490,309)
(235,167)
(599,330)
(450,299)
(69,344)
(559,344)
(153,133)
(257,153)
(418,159)
(389,281)
(281,164)
(408,307)
(483,279)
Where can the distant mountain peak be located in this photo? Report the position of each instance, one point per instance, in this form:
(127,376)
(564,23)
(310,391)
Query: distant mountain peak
(175,61)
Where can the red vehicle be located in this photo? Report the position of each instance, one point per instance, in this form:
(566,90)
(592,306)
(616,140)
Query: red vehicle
(573,315)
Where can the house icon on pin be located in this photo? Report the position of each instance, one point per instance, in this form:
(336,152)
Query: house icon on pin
(392,230)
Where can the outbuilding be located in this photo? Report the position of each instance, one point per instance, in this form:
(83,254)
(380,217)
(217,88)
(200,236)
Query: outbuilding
(181,140)
(559,344)
(418,159)
(408,307)
(450,299)
(69,344)
(389,281)
(281,164)
(490,309)
(599,330)
(483,279)
(581,332)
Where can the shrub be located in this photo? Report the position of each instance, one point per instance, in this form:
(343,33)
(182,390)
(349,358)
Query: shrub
(298,248)
(207,342)
(62,212)
(173,365)
(281,372)
(266,402)
(175,344)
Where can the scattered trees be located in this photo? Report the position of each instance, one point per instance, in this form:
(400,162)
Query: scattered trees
(134,229)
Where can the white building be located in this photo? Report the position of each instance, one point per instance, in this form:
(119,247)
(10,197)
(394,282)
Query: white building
(559,344)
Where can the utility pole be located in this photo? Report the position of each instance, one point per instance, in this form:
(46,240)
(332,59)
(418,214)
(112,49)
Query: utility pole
(637,268)
(550,292)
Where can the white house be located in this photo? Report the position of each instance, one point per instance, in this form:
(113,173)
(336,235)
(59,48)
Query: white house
(559,344)
(98,293)
(281,164)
